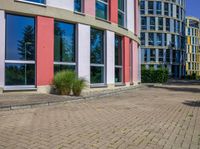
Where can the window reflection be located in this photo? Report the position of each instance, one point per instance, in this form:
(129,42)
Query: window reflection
(37,1)
(118,59)
(64,46)
(20,39)
(20,74)
(97,56)
(102,9)
(20,50)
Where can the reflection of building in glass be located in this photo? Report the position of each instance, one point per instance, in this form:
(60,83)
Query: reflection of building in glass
(98,39)
(193,46)
(163,35)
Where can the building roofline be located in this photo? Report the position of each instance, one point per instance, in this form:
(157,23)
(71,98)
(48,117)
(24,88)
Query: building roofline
(193,18)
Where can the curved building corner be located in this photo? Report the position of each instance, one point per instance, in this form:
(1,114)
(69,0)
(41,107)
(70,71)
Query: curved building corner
(98,39)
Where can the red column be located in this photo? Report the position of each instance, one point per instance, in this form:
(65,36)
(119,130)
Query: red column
(89,7)
(136,16)
(45,50)
(114,11)
(126,59)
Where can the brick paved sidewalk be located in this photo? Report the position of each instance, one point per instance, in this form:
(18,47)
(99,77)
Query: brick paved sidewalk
(22,100)
(149,117)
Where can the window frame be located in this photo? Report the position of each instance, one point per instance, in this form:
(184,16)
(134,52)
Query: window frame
(82,7)
(122,59)
(75,48)
(25,62)
(108,10)
(99,65)
(124,13)
(33,3)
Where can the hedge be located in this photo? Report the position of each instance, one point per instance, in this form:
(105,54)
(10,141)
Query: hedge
(154,76)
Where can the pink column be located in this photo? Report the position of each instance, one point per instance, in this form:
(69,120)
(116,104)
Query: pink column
(135,61)
(89,7)
(136,16)
(126,59)
(45,50)
(114,11)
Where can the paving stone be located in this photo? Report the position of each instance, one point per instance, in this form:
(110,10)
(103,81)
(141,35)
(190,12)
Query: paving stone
(148,117)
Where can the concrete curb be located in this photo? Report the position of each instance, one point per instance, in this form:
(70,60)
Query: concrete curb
(68,100)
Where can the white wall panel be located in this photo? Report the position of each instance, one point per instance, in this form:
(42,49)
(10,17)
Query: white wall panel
(84,51)
(110,57)
(2,47)
(63,4)
(130,15)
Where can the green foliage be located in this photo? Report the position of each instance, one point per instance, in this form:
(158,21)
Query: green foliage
(67,81)
(78,86)
(154,76)
(194,76)
(63,82)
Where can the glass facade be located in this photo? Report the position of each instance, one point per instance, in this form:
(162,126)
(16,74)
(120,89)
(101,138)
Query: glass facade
(102,9)
(38,46)
(121,12)
(78,5)
(37,1)
(162,32)
(193,46)
(118,59)
(97,57)
(20,50)
(64,46)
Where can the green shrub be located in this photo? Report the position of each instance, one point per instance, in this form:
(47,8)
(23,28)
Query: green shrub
(193,76)
(154,76)
(78,86)
(63,82)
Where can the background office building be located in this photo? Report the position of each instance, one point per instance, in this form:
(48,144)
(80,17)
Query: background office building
(193,46)
(98,39)
(163,35)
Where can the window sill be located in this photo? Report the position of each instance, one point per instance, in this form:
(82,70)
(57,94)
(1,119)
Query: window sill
(98,86)
(79,13)
(123,27)
(119,84)
(32,3)
(100,19)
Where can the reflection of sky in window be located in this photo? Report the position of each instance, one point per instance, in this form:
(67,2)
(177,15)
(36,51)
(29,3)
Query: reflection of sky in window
(36,1)
(14,33)
(68,37)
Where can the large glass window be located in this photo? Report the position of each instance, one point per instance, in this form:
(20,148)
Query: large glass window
(36,1)
(161,55)
(143,23)
(166,9)
(160,23)
(167,24)
(97,57)
(64,46)
(102,9)
(158,39)
(152,55)
(150,7)
(78,5)
(151,39)
(158,8)
(142,7)
(20,50)
(121,12)
(168,57)
(152,23)
(118,59)
(143,39)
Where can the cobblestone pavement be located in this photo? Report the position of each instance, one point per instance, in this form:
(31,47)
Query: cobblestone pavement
(160,118)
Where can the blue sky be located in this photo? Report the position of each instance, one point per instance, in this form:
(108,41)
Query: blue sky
(193,8)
